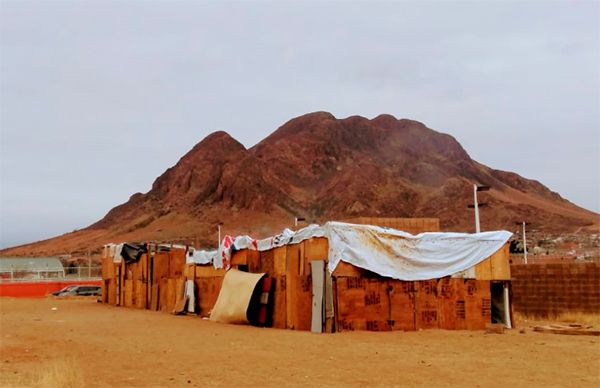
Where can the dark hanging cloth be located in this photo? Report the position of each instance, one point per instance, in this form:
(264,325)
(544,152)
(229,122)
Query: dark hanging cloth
(132,252)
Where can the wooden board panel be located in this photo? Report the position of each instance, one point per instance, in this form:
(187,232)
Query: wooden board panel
(316,248)
(350,308)
(176,262)
(140,294)
(162,295)
(128,293)
(239,258)
(267,262)
(292,280)
(160,267)
(279,302)
(402,299)
(280,261)
(483,270)
(426,305)
(203,271)
(154,302)
(500,262)
(253,261)
(348,270)
(208,292)
(378,314)
(190,271)
(112,292)
(478,304)
(171,294)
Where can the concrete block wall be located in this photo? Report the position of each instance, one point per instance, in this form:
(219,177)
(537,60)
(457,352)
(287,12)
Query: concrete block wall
(555,288)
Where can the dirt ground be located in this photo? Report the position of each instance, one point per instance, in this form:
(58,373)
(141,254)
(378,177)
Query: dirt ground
(113,346)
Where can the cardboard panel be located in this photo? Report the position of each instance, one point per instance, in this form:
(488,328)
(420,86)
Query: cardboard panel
(208,292)
(378,312)
(279,302)
(426,305)
(451,304)
(292,280)
(350,309)
(280,261)
(402,299)
(303,313)
(500,263)
(478,304)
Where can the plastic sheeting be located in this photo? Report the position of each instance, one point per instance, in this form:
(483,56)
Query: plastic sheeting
(400,255)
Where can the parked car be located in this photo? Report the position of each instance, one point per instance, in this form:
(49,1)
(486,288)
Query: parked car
(84,290)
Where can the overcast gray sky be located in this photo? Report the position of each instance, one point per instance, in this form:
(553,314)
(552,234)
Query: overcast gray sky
(99,98)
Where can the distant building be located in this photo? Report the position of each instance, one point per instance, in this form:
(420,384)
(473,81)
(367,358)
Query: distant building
(31,268)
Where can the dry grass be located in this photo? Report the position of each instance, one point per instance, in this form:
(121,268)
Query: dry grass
(589,319)
(61,373)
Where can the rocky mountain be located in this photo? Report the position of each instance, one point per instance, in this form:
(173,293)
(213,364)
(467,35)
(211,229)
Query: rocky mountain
(322,168)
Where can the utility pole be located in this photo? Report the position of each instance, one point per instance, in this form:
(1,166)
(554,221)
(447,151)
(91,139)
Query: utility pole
(219,234)
(523,224)
(476,205)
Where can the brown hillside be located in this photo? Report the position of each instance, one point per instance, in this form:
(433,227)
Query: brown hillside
(322,168)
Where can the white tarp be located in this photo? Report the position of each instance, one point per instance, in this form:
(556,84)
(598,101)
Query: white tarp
(387,252)
(400,255)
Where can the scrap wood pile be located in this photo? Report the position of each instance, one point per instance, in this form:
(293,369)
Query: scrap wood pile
(335,277)
(568,329)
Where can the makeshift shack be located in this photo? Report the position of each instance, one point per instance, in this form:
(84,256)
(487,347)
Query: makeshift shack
(335,277)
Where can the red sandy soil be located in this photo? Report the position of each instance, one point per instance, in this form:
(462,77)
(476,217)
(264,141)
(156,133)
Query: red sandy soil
(126,347)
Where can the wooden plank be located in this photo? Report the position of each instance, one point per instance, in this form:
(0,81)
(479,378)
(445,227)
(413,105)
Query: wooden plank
(171,294)
(203,271)
(163,296)
(316,248)
(160,268)
(176,262)
(208,292)
(318,293)
(329,302)
(500,263)
(154,302)
(483,270)
(253,261)
(128,293)
(279,302)
(292,275)
(279,261)
(267,262)
(239,258)
(426,305)
(348,270)
(140,294)
(402,300)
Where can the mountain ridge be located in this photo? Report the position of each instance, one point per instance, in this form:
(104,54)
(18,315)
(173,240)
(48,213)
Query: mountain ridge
(322,168)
